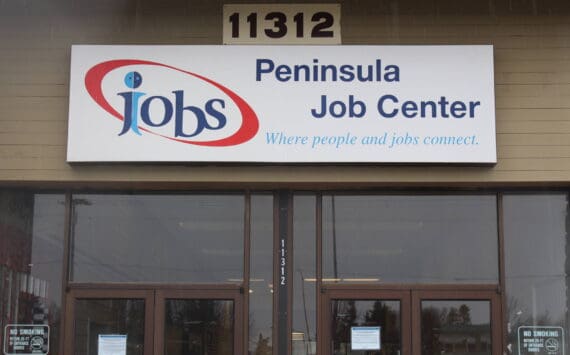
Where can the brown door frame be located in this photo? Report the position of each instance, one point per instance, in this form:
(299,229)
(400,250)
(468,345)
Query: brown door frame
(154,296)
(75,294)
(410,297)
(366,294)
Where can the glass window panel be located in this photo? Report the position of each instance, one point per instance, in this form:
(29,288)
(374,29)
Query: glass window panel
(198,327)
(455,327)
(347,314)
(304,275)
(261,276)
(94,317)
(537,262)
(158,238)
(413,239)
(31,256)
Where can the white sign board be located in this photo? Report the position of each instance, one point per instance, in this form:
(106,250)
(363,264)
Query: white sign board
(282,104)
(112,344)
(365,338)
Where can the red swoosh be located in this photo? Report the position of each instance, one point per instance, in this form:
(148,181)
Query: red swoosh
(247,130)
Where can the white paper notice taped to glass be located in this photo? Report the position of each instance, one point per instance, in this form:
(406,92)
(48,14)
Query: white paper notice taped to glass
(112,344)
(365,338)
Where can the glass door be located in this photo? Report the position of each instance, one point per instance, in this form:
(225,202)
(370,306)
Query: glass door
(367,322)
(197,323)
(154,321)
(106,321)
(456,322)
(419,322)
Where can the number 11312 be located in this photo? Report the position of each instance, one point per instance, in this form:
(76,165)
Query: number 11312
(281,24)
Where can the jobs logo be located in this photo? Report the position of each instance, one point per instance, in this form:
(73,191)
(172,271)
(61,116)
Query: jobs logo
(173,114)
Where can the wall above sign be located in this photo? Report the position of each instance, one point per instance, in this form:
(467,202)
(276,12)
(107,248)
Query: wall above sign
(282,104)
(281,24)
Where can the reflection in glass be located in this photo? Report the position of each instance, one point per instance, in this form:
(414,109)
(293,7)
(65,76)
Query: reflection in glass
(410,239)
(158,238)
(31,256)
(347,314)
(537,262)
(198,327)
(261,276)
(455,327)
(304,275)
(109,316)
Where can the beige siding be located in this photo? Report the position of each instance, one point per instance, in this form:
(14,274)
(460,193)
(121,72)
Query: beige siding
(532,74)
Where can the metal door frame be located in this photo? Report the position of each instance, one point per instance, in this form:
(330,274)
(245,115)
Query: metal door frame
(154,296)
(410,297)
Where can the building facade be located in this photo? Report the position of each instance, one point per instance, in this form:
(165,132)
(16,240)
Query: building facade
(285,258)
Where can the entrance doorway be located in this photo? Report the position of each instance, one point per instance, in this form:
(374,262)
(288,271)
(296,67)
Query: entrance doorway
(154,321)
(411,321)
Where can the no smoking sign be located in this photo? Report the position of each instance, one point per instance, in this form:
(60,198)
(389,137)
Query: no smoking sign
(541,340)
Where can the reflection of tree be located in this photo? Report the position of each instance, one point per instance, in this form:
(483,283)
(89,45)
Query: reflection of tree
(377,313)
(344,316)
(450,329)
(383,315)
(456,316)
(109,316)
(134,319)
(447,316)
(519,315)
(464,314)
(263,346)
(431,325)
(198,327)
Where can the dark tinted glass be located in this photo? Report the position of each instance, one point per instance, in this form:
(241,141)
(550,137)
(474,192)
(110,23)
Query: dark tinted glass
(423,239)
(158,238)
(456,327)
(304,275)
(261,276)
(537,265)
(105,317)
(356,322)
(198,327)
(31,255)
